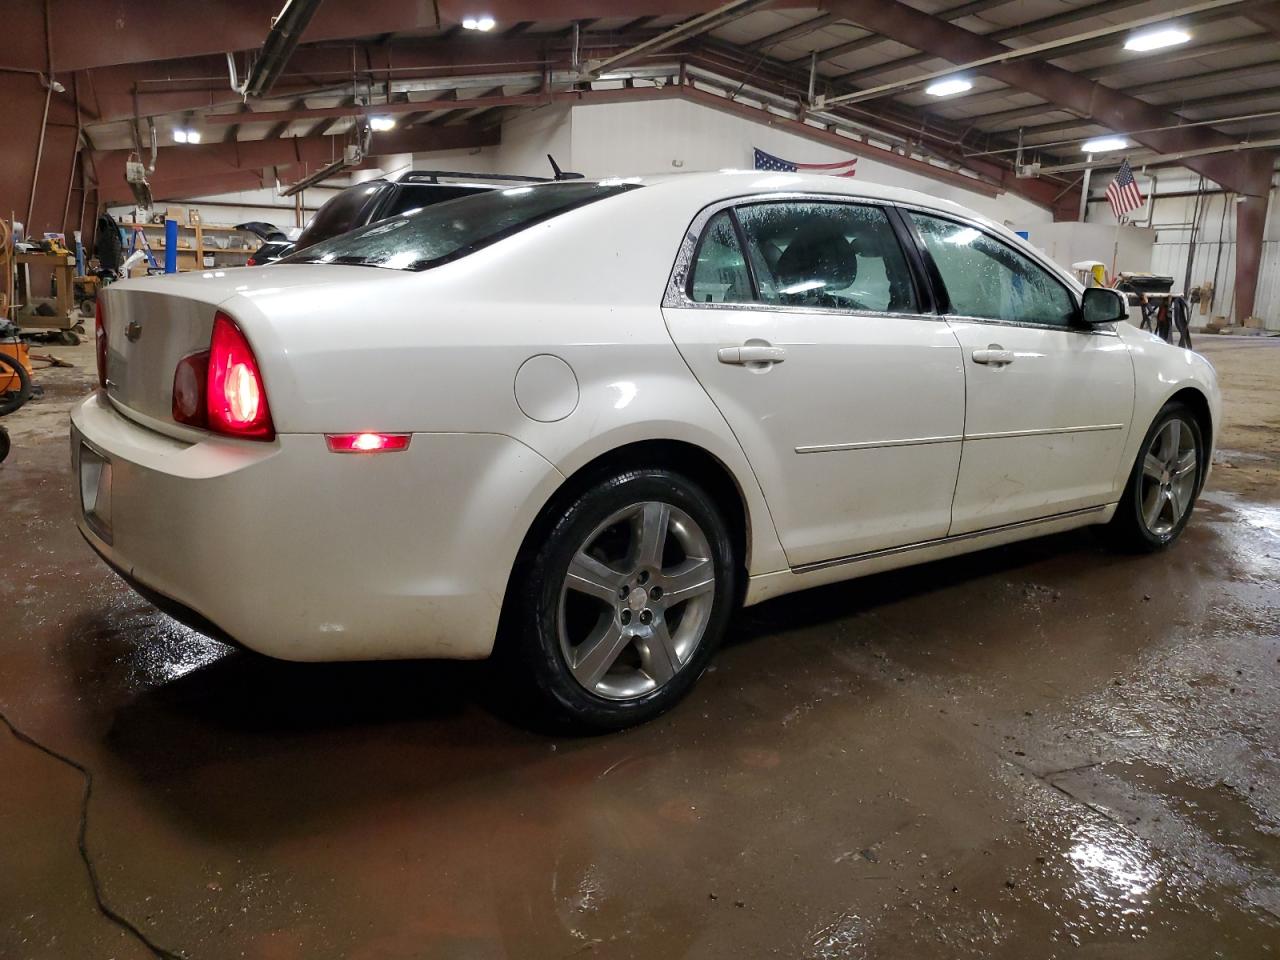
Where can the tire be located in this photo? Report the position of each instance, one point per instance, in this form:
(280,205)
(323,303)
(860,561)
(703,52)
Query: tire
(4,444)
(594,636)
(1163,484)
(12,400)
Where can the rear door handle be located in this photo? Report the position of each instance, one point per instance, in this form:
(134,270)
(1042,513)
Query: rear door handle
(995,355)
(752,353)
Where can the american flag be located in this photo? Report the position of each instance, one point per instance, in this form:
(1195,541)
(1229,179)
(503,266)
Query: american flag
(1123,193)
(842,168)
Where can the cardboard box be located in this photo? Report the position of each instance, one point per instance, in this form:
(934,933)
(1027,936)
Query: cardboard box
(176,213)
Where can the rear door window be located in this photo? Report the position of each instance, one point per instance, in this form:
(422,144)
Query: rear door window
(842,256)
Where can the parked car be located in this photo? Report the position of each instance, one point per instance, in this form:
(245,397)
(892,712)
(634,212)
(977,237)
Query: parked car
(269,252)
(576,425)
(275,242)
(375,200)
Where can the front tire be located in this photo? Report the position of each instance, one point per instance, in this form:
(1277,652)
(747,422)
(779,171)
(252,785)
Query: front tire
(1163,484)
(616,611)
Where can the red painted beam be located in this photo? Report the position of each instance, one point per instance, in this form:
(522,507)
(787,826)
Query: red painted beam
(1248,175)
(90,33)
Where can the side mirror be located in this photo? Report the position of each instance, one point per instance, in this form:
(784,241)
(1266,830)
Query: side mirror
(1103,305)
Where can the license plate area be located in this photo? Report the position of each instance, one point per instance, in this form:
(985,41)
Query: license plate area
(95,491)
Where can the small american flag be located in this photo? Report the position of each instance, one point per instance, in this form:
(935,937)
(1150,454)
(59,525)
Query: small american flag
(1123,193)
(841,168)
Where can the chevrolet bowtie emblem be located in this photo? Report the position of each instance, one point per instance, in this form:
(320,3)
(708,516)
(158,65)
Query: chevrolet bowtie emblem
(133,331)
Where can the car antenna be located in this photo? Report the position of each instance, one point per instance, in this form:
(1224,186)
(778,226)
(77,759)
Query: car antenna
(560,174)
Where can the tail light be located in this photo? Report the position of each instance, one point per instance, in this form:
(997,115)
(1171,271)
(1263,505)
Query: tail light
(251,262)
(100,341)
(222,389)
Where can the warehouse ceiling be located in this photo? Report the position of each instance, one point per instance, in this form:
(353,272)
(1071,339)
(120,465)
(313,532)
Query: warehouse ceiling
(1043,76)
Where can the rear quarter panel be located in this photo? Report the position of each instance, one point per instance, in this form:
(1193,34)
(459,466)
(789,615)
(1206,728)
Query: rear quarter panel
(438,350)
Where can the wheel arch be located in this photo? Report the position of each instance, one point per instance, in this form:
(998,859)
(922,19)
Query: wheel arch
(697,463)
(1198,403)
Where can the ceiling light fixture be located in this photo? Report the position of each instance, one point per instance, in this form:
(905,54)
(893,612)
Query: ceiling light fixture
(945,88)
(483,24)
(185,135)
(1104,145)
(382,124)
(1156,39)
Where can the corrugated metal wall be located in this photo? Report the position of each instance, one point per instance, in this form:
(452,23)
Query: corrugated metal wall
(1172,221)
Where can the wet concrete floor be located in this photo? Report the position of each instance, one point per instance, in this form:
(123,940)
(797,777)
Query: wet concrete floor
(1045,750)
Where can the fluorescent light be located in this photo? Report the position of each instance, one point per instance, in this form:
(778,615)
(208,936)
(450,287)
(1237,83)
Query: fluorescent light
(382,124)
(945,88)
(193,136)
(183,135)
(483,24)
(1156,39)
(1104,145)
(179,136)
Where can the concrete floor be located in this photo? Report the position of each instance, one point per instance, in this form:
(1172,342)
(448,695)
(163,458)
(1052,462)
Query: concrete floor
(1039,751)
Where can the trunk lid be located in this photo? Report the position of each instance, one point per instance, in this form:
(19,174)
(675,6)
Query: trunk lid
(153,322)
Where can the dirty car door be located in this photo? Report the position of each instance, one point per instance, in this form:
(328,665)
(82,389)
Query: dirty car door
(803,321)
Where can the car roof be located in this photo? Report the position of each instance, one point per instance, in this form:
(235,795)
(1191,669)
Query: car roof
(725,184)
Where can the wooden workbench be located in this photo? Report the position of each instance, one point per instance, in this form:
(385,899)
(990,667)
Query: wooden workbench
(64,270)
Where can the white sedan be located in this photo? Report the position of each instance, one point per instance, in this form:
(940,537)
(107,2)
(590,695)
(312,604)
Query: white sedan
(576,425)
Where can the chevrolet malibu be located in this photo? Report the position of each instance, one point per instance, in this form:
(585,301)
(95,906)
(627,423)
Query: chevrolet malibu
(575,425)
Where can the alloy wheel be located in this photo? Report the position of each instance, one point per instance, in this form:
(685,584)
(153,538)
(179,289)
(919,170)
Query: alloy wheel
(636,600)
(1168,477)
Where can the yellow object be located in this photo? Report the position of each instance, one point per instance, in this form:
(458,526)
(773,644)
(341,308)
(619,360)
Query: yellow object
(20,352)
(1099,275)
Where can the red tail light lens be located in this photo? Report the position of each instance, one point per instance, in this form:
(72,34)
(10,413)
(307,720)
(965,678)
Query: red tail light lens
(367,442)
(236,398)
(100,341)
(251,262)
(189,386)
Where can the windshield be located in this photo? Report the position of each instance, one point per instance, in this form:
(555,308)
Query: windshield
(455,228)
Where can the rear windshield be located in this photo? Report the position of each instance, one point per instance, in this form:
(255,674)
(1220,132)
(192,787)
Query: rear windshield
(455,228)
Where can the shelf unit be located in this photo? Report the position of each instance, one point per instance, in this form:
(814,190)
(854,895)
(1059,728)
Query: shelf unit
(191,257)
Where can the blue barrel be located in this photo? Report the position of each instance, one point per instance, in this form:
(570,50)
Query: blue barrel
(171,246)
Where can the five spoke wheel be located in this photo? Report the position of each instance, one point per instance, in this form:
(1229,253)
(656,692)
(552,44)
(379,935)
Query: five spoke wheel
(636,600)
(1168,477)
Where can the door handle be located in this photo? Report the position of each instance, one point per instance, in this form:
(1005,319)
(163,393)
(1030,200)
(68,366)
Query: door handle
(752,353)
(995,355)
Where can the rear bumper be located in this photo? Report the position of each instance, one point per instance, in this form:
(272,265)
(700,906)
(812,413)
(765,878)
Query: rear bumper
(301,554)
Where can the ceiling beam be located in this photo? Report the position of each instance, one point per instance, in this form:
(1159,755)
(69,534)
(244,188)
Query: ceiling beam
(139,33)
(1248,174)
(698,25)
(219,159)
(801,29)
(1071,16)
(999,55)
(1202,103)
(1055,85)
(870,40)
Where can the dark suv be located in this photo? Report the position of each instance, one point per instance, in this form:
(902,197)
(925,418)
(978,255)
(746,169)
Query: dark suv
(374,200)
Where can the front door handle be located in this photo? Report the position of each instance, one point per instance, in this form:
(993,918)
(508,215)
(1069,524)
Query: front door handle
(752,353)
(995,355)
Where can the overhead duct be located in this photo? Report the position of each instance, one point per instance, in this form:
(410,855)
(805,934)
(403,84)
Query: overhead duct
(286,31)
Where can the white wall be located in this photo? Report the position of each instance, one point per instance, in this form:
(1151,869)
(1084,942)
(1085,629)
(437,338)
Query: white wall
(1070,242)
(1170,218)
(667,136)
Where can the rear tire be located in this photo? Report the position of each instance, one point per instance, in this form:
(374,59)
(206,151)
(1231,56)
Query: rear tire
(1163,485)
(616,610)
